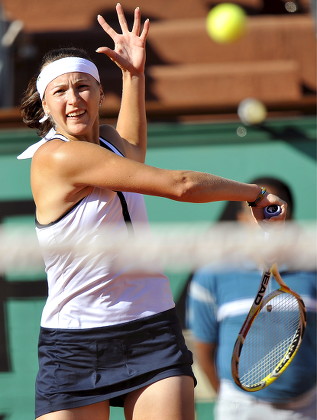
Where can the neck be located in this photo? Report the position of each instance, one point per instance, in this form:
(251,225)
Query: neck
(92,137)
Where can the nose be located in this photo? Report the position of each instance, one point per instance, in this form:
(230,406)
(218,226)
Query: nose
(72,96)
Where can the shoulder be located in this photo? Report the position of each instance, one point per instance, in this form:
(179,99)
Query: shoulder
(48,151)
(110,134)
(235,284)
(108,131)
(127,149)
(207,275)
(63,155)
(203,283)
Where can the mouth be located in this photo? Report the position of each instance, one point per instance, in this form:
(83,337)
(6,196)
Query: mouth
(75,114)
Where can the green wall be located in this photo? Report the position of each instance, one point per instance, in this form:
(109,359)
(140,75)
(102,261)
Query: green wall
(282,148)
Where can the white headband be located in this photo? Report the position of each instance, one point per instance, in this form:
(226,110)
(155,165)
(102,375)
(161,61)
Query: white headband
(62,66)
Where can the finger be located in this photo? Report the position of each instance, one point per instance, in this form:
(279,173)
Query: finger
(103,50)
(283,214)
(106,27)
(110,53)
(145,30)
(137,21)
(121,18)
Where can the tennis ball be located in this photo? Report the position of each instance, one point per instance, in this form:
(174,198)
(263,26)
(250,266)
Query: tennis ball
(226,22)
(251,111)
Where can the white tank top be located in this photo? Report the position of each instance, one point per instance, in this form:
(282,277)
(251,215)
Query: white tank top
(86,291)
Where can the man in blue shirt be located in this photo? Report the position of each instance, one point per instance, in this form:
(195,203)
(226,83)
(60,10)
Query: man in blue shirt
(218,302)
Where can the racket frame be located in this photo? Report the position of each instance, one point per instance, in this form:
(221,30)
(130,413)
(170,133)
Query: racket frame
(260,302)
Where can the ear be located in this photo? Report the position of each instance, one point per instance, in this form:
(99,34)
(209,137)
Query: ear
(45,107)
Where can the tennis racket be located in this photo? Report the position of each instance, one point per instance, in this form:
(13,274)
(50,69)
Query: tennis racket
(271,333)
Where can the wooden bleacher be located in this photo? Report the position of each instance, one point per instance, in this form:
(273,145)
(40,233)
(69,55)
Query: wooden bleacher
(188,73)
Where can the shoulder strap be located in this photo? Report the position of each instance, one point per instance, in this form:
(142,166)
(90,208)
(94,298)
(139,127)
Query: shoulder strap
(106,143)
(124,204)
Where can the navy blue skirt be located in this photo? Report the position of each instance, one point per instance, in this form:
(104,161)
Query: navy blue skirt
(86,366)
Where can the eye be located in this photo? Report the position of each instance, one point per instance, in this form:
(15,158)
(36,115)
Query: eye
(84,88)
(58,91)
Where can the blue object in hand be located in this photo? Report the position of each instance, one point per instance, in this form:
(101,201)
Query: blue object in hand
(271,211)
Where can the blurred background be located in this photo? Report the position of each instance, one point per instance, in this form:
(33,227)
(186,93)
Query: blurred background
(240,108)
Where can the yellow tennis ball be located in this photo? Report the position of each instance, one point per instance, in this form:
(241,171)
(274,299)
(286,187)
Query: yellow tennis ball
(251,111)
(226,22)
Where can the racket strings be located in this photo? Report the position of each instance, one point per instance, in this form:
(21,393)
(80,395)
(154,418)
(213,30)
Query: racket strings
(268,345)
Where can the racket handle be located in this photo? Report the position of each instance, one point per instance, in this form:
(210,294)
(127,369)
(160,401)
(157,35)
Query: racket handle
(271,211)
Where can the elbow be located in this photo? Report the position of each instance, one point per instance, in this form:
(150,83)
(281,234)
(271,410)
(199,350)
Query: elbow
(184,188)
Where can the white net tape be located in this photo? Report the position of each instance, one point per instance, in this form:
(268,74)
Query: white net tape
(173,247)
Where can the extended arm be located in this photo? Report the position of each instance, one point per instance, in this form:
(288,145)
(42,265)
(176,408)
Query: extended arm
(102,168)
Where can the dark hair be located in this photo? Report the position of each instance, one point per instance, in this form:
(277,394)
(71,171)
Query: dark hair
(31,104)
(232,208)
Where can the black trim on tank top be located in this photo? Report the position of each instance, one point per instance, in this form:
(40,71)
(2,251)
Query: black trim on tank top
(125,211)
(124,204)
(104,144)
(40,225)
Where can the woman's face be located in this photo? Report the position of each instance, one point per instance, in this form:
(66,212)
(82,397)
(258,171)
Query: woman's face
(73,101)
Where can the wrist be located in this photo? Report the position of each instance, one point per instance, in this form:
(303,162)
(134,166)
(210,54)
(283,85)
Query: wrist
(129,75)
(258,199)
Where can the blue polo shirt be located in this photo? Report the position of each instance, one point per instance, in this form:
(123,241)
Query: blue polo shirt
(218,303)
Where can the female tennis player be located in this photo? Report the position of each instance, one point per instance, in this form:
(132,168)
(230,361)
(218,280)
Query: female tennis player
(109,335)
